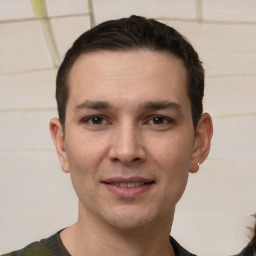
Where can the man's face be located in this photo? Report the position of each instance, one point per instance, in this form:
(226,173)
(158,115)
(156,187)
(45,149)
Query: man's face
(129,135)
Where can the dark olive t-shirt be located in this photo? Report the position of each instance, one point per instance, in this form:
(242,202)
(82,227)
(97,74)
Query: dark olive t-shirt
(53,246)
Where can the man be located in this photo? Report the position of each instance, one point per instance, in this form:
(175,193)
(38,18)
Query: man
(130,129)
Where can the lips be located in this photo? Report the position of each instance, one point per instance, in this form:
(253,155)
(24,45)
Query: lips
(128,187)
(126,180)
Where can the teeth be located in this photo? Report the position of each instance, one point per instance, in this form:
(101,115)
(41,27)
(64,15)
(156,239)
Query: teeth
(131,185)
(128,185)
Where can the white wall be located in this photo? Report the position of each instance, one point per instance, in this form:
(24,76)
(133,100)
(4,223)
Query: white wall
(37,199)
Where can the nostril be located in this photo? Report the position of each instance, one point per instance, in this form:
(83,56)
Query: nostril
(126,151)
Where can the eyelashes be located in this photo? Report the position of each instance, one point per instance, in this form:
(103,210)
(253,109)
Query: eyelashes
(95,120)
(160,120)
(154,120)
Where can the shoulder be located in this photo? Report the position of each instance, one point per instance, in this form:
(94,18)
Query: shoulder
(178,249)
(51,246)
(36,248)
(247,251)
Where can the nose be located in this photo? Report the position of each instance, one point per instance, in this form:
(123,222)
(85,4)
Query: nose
(127,145)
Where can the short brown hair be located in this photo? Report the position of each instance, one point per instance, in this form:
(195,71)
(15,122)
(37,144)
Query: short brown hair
(135,33)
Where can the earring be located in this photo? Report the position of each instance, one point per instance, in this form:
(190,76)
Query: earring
(194,168)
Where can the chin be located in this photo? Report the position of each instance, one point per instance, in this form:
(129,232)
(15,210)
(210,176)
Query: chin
(130,219)
(124,224)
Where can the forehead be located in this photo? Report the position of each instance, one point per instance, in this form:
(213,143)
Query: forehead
(135,75)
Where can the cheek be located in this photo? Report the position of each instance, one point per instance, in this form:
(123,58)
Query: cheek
(83,151)
(172,158)
(173,152)
(82,172)
(84,156)
(175,177)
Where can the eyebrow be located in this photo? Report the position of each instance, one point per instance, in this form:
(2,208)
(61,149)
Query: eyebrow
(159,105)
(149,105)
(93,105)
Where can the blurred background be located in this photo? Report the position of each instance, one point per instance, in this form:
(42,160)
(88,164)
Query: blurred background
(37,198)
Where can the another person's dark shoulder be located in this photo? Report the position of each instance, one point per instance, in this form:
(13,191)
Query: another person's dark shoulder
(51,246)
(178,249)
(250,249)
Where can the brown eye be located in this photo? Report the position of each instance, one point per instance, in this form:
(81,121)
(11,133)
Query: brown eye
(159,120)
(95,120)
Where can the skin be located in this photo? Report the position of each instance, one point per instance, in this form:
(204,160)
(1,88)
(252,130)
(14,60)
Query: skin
(128,116)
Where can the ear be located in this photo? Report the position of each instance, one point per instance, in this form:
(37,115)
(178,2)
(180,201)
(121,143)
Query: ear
(202,144)
(58,137)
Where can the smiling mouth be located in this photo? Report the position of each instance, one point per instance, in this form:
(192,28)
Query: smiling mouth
(128,188)
(133,184)
(130,184)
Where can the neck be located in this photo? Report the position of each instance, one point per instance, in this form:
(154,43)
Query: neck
(90,236)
